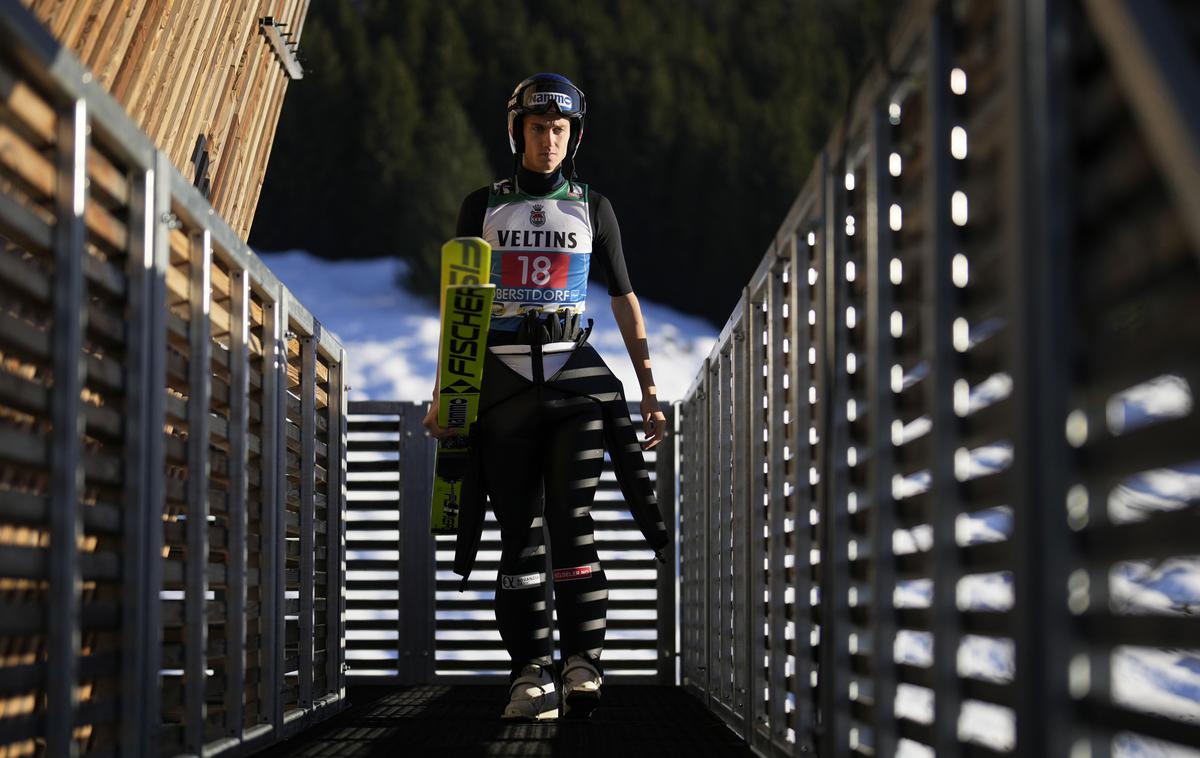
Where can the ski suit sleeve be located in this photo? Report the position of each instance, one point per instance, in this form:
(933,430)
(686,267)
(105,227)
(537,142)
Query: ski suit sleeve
(470,214)
(607,249)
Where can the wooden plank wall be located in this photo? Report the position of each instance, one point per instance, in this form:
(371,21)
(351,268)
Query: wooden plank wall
(186,68)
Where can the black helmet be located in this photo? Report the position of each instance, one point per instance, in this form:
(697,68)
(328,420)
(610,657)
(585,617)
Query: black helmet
(546,93)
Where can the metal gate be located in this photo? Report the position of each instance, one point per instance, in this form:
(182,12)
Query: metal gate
(407,621)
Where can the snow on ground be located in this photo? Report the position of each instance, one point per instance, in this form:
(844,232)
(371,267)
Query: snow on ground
(390,335)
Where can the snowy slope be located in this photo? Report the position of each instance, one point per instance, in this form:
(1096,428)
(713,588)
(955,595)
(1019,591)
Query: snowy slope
(391,335)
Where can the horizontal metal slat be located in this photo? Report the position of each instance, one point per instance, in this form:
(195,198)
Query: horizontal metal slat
(1142,631)
(30,618)
(355,467)
(987,623)
(1161,535)
(33,563)
(1168,443)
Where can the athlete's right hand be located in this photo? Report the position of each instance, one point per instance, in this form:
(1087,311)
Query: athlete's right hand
(430,422)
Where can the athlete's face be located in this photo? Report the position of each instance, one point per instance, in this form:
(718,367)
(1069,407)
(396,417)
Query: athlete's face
(546,138)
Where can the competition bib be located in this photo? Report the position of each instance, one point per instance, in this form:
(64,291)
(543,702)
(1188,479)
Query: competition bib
(541,250)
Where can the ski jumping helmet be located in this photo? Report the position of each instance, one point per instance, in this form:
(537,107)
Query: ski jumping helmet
(544,93)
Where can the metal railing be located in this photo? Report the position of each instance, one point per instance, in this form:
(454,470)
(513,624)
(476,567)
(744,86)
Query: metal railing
(172,429)
(407,621)
(940,467)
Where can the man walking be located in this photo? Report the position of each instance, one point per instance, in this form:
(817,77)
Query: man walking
(550,406)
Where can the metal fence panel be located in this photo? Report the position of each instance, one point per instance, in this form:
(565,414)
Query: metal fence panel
(990,414)
(145,468)
(408,622)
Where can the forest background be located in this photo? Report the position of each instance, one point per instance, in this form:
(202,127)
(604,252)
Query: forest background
(704,118)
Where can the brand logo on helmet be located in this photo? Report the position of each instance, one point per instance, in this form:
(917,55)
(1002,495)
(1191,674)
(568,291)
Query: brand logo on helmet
(537,216)
(563,101)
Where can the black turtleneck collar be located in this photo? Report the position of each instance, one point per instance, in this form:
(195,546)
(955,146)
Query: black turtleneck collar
(534,183)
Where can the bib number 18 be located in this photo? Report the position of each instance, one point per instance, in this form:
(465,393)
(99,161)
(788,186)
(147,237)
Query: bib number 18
(535,269)
(541,270)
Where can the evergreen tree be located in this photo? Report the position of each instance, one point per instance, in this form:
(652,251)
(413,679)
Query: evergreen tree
(704,119)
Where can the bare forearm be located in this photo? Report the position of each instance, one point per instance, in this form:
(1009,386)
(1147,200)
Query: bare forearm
(633,331)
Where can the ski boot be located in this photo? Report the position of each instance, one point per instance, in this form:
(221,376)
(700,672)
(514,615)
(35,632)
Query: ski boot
(581,687)
(532,696)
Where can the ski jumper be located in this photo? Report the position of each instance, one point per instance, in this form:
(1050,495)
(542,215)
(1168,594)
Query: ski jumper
(549,409)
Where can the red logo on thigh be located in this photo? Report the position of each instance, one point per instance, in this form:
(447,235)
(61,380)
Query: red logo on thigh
(578,572)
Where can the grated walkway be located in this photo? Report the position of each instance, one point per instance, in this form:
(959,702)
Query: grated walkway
(460,721)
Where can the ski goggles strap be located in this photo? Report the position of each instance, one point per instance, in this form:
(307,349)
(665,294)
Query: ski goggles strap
(543,96)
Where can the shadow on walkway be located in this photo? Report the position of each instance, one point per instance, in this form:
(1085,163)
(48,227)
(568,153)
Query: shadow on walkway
(463,721)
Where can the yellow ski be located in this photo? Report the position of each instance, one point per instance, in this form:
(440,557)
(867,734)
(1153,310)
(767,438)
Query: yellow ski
(466,310)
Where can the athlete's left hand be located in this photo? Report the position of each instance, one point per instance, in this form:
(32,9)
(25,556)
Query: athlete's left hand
(654,422)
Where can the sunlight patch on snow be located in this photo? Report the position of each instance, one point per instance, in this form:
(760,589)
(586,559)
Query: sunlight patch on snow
(914,703)
(1127,745)
(1160,681)
(1164,489)
(985,592)
(1162,398)
(988,724)
(1170,586)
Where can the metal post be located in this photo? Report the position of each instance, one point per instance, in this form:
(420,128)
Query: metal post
(199,392)
(802,378)
(776,504)
(936,318)
(428,555)
(407,476)
(154,460)
(66,469)
(1040,349)
(831,489)
(335,503)
(880,403)
(758,580)
(712,537)
(308,473)
(281,506)
(703,522)
(274,444)
(239,420)
(665,472)
(726,557)
(742,578)
(417,586)
(138,638)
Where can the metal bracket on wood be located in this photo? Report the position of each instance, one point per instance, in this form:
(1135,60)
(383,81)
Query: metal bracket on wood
(273,31)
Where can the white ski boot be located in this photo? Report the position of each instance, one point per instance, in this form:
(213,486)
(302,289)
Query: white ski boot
(532,696)
(581,687)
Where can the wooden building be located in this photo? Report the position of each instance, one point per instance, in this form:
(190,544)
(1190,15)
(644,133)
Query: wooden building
(205,79)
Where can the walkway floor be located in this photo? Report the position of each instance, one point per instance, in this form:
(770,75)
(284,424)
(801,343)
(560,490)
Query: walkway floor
(462,721)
